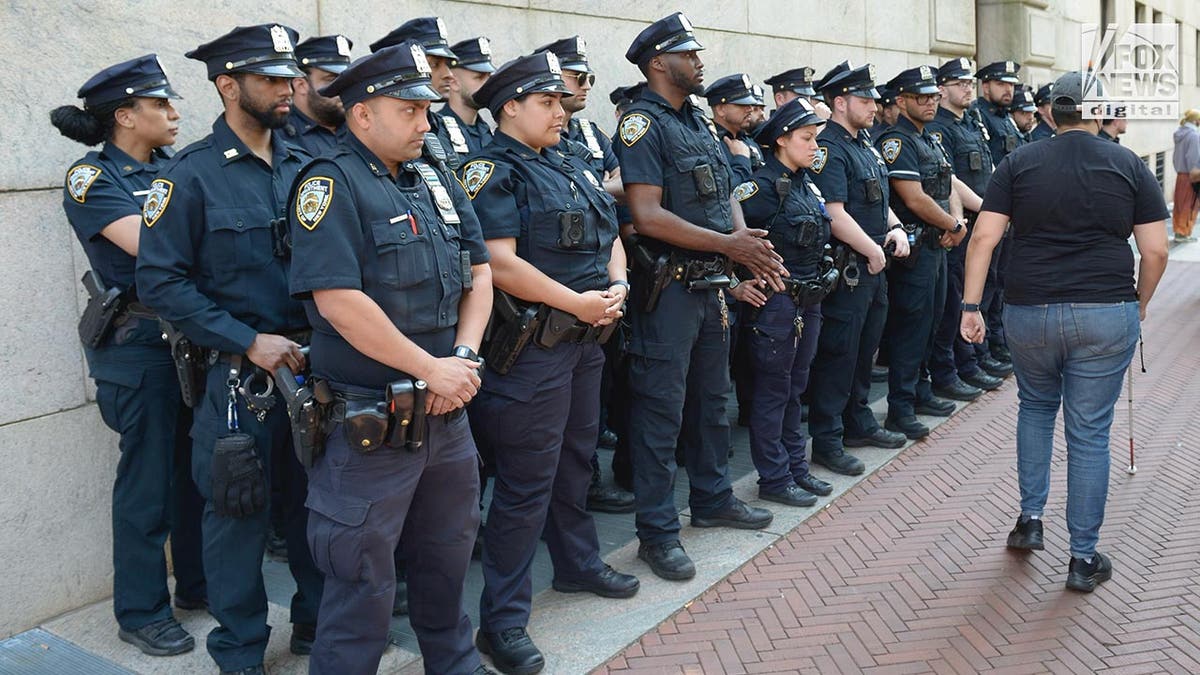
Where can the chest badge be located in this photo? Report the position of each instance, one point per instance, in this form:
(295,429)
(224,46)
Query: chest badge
(818,164)
(156,201)
(745,190)
(80,179)
(633,127)
(312,201)
(891,149)
(476,175)
(937,136)
(592,179)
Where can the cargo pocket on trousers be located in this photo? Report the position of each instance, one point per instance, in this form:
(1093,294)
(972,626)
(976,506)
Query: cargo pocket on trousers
(335,533)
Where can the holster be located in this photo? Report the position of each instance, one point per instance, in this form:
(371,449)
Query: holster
(306,408)
(916,241)
(511,328)
(191,363)
(100,315)
(406,406)
(657,268)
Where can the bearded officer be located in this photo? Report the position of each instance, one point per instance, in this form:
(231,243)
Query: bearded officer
(315,120)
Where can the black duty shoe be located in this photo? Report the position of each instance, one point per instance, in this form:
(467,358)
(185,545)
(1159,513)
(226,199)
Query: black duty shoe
(879,374)
(936,407)
(400,602)
(738,514)
(1001,354)
(609,499)
(164,637)
(814,485)
(1084,577)
(982,380)
(251,670)
(608,583)
(957,391)
(993,367)
(880,438)
(790,495)
(1026,535)
(303,637)
(512,652)
(608,439)
(840,461)
(191,604)
(908,425)
(668,560)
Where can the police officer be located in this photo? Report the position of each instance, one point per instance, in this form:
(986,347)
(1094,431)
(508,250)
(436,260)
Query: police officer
(430,33)
(920,174)
(622,97)
(128,108)
(758,111)
(1023,112)
(213,262)
(390,263)
(797,83)
(1045,125)
(953,369)
(783,329)
(677,184)
(552,234)
(471,66)
(315,119)
(853,182)
(732,101)
(998,82)
(886,111)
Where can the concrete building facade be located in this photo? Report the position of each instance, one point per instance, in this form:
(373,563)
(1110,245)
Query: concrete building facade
(59,458)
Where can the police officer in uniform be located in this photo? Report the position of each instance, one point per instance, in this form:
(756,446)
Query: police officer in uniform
(677,184)
(886,111)
(430,33)
(1045,121)
(213,261)
(471,66)
(390,262)
(315,120)
(128,108)
(998,82)
(920,174)
(622,97)
(552,234)
(797,83)
(758,111)
(853,182)
(732,101)
(783,329)
(1024,113)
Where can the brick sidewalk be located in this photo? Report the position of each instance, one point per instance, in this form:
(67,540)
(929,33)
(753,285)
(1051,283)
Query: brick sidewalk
(907,572)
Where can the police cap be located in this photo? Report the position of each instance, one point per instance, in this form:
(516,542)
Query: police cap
(1043,94)
(142,76)
(473,54)
(1022,100)
(669,34)
(1005,71)
(798,80)
(627,94)
(792,115)
(327,52)
(427,31)
(956,69)
(265,49)
(845,79)
(736,89)
(917,80)
(399,71)
(571,53)
(536,73)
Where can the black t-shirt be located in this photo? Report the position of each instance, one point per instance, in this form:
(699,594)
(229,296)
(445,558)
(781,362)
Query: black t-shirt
(1073,201)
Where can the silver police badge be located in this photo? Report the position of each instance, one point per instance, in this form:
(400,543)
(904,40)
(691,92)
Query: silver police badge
(343,45)
(592,179)
(156,202)
(745,190)
(818,164)
(312,201)
(485,46)
(476,175)
(937,136)
(633,127)
(891,149)
(419,60)
(580,46)
(553,64)
(281,40)
(79,179)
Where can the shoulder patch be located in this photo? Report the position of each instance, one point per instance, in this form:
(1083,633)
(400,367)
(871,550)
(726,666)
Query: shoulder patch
(937,136)
(745,191)
(156,202)
(80,178)
(475,176)
(312,201)
(633,127)
(819,162)
(891,149)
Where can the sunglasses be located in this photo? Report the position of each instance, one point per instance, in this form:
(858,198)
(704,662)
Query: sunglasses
(586,78)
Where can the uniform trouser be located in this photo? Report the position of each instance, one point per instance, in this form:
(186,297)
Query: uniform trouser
(840,378)
(543,467)
(361,505)
(617,361)
(952,356)
(149,500)
(741,364)
(993,295)
(780,357)
(678,380)
(916,299)
(233,547)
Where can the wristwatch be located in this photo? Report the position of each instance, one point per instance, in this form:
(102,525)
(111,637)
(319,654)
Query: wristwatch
(970,307)
(619,282)
(958,226)
(465,352)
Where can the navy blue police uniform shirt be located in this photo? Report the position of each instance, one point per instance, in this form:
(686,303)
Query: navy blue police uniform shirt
(849,170)
(1073,200)
(207,253)
(522,194)
(596,146)
(102,187)
(964,142)
(306,133)
(473,136)
(351,229)
(1042,130)
(1002,133)
(798,223)
(904,160)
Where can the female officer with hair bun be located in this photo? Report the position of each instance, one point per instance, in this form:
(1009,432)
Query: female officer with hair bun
(128,108)
(783,328)
(551,230)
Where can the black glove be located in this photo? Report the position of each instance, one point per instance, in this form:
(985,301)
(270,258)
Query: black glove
(238,481)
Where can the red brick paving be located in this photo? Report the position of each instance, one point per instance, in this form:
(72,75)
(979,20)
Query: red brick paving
(907,572)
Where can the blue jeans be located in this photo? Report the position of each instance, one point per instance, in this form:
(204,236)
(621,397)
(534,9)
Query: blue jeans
(1074,354)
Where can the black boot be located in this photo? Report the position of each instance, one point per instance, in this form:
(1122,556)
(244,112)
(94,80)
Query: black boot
(512,651)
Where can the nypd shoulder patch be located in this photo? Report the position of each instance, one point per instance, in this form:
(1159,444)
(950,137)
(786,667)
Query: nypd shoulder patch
(312,201)
(475,175)
(891,149)
(156,202)
(80,178)
(818,164)
(745,190)
(633,127)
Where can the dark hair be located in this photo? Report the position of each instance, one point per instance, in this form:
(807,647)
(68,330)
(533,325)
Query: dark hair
(1072,118)
(91,126)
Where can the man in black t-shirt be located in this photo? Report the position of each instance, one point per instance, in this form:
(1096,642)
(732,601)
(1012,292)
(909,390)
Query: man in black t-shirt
(1072,308)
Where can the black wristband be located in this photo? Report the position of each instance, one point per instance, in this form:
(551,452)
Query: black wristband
(619,282)
(465,352)
(970,307)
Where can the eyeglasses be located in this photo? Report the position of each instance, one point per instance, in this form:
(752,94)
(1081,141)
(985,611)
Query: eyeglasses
(586,78)
(924,99)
